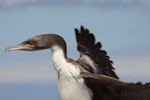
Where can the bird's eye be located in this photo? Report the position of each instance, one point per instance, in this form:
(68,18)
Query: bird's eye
(29,42)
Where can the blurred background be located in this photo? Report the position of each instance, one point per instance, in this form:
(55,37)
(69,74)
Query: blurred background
(122,26)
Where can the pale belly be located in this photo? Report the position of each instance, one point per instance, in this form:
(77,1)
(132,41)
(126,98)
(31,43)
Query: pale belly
(71,88)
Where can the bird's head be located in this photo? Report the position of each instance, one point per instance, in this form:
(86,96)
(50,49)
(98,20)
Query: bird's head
(39,42)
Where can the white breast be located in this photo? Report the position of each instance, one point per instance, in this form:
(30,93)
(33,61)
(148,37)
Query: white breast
(71,85)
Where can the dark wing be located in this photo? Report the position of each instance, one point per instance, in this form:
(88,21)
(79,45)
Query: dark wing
(100,86)
(92,58)
(108,88)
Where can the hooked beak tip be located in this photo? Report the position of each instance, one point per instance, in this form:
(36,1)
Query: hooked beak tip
(11,48)
(18,47)
(8,49)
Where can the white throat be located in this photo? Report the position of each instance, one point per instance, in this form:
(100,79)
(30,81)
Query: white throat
(71,85)
(58,58)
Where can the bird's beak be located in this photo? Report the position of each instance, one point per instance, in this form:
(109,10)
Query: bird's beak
(19,47)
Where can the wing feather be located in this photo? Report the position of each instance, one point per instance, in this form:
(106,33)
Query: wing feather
(108,88)
(92,57)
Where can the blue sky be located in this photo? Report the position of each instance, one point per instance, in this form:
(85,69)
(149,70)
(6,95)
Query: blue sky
(122,26)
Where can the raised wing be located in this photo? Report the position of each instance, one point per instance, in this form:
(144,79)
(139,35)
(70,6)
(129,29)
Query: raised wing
(92,58)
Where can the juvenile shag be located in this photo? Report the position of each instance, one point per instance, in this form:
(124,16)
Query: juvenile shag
(92,76)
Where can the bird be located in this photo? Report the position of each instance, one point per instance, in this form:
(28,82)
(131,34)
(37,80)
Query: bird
(92,76)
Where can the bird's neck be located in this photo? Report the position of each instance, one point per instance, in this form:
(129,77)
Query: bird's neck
(59,57)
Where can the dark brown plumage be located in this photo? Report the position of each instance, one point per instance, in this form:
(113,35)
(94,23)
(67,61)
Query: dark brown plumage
(87,46)
(107,88)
